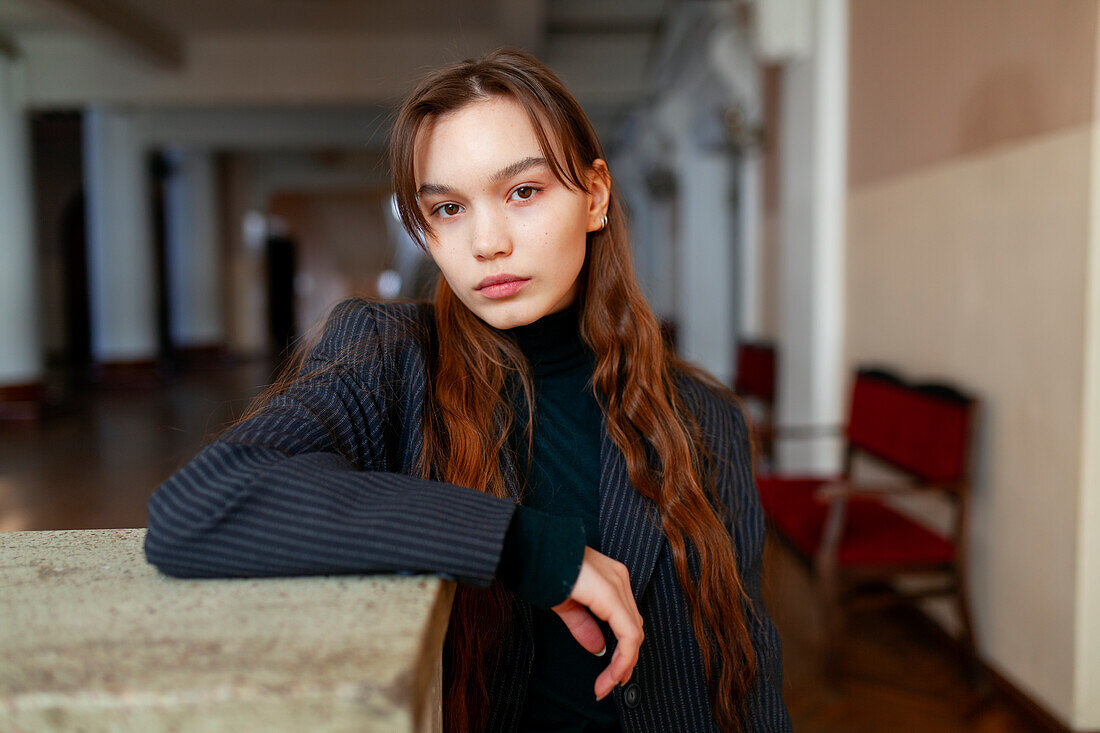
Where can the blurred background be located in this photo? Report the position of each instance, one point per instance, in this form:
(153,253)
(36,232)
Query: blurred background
(878,219)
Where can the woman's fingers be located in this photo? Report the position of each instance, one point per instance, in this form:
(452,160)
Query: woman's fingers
(582,626)
(628,632)
(606,682)
(603,586)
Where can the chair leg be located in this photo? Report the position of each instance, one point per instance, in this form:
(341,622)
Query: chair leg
(829,589)
(976,672)
(832,615)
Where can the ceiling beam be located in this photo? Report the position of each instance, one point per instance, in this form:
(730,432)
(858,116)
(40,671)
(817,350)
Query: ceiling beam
(244,68)
(599,26)
(119,25)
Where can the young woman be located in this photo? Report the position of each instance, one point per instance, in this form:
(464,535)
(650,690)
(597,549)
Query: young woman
(528,435)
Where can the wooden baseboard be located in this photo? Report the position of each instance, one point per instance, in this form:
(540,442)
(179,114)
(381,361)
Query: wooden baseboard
(126,374)
(22,403)
(212,356)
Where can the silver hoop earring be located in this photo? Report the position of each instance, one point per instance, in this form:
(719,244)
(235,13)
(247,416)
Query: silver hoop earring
(603,223)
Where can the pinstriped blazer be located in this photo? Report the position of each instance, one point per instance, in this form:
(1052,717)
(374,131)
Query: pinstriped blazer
(323,480)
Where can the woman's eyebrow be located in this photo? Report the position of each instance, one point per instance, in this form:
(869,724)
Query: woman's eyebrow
(516,168)
(513,169)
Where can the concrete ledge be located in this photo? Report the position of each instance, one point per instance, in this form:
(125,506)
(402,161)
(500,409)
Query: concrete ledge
(94,638)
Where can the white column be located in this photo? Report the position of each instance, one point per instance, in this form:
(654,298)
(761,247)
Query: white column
(811,389)
(705,273)
(652,229)
(121,275)
(20,342)
(195,313)
(661,240)
(730,56)
(628,168)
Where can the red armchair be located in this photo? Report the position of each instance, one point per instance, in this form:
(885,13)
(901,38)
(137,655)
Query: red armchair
(856,543)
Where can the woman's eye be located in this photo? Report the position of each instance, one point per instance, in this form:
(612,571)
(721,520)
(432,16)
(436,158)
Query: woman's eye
(446,210)
(524,192)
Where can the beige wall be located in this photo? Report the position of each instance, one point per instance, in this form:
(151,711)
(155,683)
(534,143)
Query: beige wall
(969,236)
(974,271)
(1088,566)
(937,79)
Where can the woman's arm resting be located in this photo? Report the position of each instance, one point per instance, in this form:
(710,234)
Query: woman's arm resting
(542,556)
(243,510)
(276,495)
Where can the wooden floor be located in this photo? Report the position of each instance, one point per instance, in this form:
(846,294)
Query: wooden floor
(897,672)
(96,466)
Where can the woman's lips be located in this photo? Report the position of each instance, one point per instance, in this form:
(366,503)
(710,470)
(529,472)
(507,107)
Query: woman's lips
(501,287)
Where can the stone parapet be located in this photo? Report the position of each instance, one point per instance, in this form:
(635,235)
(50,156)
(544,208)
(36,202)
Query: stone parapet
(93,638)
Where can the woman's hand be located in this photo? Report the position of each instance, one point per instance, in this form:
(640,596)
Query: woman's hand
(603,587)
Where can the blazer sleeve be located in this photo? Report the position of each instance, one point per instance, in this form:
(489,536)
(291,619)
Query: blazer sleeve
(299,489)
(763,708)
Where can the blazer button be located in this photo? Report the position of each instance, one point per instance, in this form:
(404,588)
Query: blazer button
(632,695)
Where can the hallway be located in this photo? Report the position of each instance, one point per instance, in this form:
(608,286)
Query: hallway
(910,189)
(94,466)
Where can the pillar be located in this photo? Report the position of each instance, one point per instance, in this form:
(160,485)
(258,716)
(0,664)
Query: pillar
(122,284)
(705,258)
(21,361)
(811,386)
(193,253)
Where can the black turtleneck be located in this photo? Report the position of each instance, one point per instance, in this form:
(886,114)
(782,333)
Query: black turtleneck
(544,546)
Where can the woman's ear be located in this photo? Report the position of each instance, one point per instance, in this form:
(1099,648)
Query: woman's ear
(599,194)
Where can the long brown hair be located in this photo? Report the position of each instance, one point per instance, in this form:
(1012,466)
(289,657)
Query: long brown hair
(468,420)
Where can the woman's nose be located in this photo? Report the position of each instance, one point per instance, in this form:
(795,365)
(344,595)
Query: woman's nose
(491,237)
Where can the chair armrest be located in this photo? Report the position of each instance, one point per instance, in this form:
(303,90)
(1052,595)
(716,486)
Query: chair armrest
(834,490)
(836,495)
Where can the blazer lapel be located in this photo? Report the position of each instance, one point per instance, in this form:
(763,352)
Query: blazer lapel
(630,530)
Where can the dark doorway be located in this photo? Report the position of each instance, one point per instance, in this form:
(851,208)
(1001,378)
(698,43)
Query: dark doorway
(282,258)
(57,158)
(159,171)
(78,324)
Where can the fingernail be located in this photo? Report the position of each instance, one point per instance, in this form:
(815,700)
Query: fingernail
(603,651)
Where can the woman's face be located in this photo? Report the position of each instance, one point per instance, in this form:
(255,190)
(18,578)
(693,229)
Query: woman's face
(507,235)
